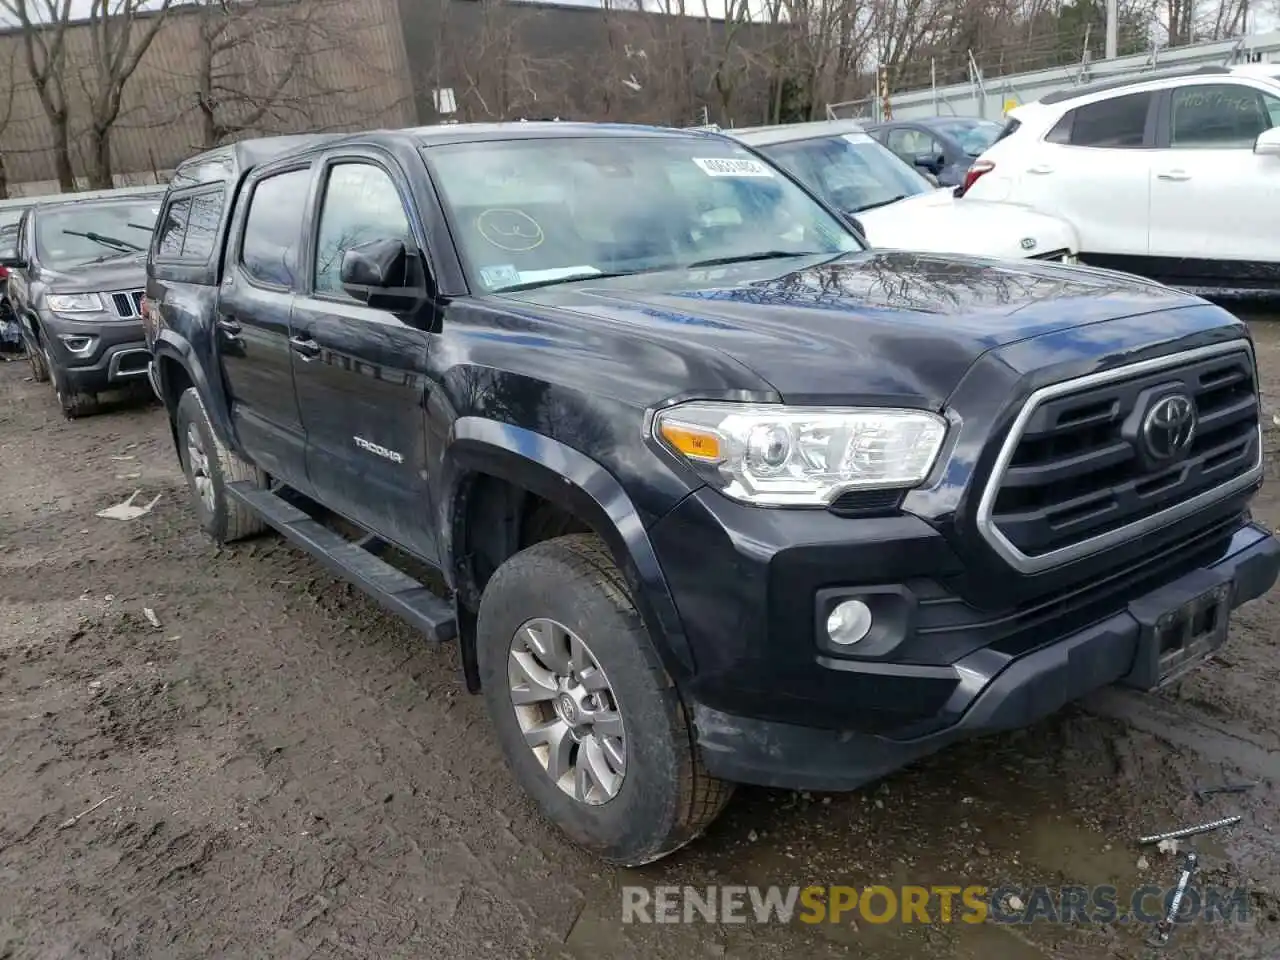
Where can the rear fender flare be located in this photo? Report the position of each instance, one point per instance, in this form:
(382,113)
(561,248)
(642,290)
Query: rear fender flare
(171,346)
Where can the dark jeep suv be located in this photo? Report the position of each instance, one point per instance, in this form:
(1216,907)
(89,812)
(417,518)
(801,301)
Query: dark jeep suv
(718,494)
(76,276)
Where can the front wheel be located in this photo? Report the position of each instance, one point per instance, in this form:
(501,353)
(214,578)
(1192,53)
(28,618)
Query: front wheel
(584,711)
(209,467)
(73,403)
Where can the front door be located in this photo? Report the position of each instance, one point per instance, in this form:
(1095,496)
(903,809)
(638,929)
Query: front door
(362,390)
(1212,197)
(252,325)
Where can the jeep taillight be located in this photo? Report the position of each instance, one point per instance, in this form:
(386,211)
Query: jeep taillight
(977,170)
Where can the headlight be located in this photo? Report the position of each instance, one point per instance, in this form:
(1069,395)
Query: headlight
(801,456)
(73,302)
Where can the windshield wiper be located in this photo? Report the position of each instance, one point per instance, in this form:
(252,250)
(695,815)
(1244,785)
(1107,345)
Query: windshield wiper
(106,241)
(534,284)
(141,226)
(762,255)
(881,203)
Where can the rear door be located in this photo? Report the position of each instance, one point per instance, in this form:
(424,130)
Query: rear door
(361,379)
(1093,170)
(1212,197)
(252,320)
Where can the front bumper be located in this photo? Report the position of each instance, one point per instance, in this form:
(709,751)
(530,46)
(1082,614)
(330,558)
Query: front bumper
(117,359)
(992,692)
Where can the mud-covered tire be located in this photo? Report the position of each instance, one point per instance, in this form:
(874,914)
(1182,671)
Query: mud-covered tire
(665,799)
(225,519)
(39,372)
(72,403)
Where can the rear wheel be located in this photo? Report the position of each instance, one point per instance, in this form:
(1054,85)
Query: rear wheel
(584,711)
(209,467)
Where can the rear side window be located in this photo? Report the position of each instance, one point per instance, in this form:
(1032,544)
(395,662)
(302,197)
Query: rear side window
(273,228)
(1118,123)
(173,228)
(189,226)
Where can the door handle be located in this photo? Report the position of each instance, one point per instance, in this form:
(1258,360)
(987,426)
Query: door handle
(305,347)
(230,327)
(1040,169)
(1176,175)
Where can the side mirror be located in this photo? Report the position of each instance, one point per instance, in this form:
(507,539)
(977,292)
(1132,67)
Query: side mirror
(1268,143)
(380,273)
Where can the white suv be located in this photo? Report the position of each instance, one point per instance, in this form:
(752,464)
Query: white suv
(1175,176)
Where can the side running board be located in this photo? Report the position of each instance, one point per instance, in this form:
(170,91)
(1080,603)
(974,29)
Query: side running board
(397,591)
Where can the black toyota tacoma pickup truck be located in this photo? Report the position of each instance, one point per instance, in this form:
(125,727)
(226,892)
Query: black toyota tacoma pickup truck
(77,267)
(718,494)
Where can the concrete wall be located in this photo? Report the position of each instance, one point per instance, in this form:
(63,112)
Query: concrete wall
(357,82)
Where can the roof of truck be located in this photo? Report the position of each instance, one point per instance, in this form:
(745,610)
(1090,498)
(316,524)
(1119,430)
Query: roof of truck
(223,163)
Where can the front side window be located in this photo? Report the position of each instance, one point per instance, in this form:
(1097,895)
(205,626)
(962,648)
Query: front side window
(529,212)
(361,203)
(74,234)
(1119,122)
(910,144)
(1220,116)
(273,228)
(851,172)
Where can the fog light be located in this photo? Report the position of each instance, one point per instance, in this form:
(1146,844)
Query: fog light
(76,343)
(849,622)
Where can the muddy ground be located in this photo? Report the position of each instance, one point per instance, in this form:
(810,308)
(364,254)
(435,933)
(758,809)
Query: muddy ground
(288,772)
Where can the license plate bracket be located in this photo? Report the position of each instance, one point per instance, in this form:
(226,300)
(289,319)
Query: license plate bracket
(1174,637)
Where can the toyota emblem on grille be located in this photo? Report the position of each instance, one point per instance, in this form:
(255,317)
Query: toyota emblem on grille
(1169,427)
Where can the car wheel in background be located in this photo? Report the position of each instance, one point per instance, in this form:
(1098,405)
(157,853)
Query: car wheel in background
(209,467)
(39,372)
(589,720)
(73,404)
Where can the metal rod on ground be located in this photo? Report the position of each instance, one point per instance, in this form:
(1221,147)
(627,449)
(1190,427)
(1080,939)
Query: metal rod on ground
(1160,936)
(1189,831)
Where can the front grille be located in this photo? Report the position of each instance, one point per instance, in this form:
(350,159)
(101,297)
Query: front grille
(1074,477)
(128,306)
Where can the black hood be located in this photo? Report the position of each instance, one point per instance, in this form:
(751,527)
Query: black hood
(878,326)
(125,272)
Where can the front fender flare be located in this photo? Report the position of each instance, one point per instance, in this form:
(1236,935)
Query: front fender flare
(580,485)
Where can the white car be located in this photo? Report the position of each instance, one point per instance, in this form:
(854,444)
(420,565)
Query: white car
(1174,176)
(895,205)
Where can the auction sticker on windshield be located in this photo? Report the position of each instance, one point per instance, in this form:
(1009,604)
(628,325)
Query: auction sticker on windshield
(732,167)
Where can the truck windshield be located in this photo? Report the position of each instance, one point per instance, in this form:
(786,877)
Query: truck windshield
(852,172)
(81,233)
(531,212)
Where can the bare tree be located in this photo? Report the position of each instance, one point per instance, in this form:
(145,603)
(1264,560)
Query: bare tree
(43,24)
(120,32)
(500,80)
(8,97)
(258,61)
